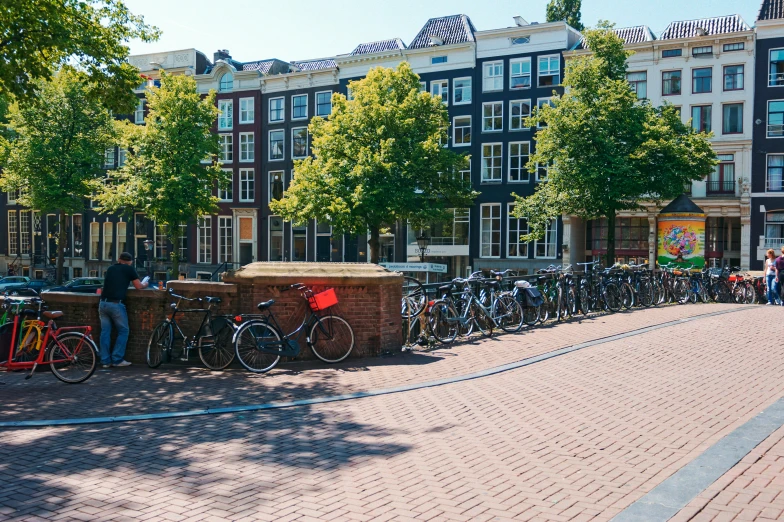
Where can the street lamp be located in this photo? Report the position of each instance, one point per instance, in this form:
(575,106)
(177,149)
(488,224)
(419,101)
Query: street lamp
(423,241)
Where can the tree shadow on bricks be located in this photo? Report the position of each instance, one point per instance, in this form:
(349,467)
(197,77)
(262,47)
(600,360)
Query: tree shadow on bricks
(131,467)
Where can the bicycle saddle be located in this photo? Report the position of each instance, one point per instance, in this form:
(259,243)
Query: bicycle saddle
(266,304)
(216,300)
(493,284)
(542,279)
(446,289)
(53,315)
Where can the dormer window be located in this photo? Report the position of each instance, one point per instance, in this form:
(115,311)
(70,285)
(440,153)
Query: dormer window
(226,82)
(436,41)
(702,51)
(520,40)
(435,60)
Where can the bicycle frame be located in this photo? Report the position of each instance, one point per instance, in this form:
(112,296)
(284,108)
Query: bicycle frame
(52,332)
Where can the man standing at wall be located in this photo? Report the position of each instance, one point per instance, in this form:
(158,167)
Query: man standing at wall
(112,309)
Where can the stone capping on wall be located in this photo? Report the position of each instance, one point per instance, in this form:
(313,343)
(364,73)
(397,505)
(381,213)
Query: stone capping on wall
(343,274)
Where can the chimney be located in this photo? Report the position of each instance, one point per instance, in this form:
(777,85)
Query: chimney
(520,21)
(221,54)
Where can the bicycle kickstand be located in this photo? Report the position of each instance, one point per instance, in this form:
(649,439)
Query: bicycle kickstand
(32,371)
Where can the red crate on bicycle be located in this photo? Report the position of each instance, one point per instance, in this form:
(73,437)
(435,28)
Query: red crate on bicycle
(323,300)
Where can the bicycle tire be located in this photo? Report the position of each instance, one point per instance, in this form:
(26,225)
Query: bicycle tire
(646,293)
(508,314)
(219,354)
(29,343)
(481,321)
(612,297)
(531,314)
(627,295)
(571,301)
(751,294)
(544,311)
(585,299)
(84,357)
(246,346)
(443,321)
(558,303)
(160,344)
(680,291)
(331,339)
(414,298)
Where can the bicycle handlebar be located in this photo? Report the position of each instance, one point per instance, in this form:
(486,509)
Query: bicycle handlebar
(171,292)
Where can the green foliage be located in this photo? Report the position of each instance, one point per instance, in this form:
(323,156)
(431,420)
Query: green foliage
(60,139)
(39,36)
(378,159)
(164,175)
(565,10)
(608,150)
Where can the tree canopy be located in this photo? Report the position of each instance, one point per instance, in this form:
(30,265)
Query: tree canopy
(378,159)
(60,137)
(608,151)
(566,10)
(165,174)
(37,37)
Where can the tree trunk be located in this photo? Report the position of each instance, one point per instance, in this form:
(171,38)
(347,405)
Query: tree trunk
(174,239)
(62,237)
(374,244)
(610,238)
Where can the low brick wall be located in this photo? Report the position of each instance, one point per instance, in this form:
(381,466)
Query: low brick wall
(369,299)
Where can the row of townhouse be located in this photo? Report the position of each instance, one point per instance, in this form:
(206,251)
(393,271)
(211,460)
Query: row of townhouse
(722,73)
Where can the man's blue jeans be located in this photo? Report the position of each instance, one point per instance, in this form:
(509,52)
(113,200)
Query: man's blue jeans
(773,296)
(113,314)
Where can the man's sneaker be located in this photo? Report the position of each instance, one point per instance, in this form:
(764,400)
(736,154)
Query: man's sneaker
(123,363)
(106,366)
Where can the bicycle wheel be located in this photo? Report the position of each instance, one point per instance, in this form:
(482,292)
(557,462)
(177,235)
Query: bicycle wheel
(508,314)
(722,292)
(646,293)
(480,319)
(585,299)
(612,297)
(159,345)
(72,357)
(218,352)
(331,339)
(414,298)
(751,294)
(443,321)
(659,292)
(249,339)
(627,295)
(570,298)
(544,309)
(531,314)
(558,310)
(680,291)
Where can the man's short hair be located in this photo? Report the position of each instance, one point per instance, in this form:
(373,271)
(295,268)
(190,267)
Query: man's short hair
(125,256)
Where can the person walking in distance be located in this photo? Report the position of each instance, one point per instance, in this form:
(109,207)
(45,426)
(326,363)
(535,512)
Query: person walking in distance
(770,276)
(778,266)
(112,310)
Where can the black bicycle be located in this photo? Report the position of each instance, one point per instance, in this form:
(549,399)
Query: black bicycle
(213,339)
(260,343)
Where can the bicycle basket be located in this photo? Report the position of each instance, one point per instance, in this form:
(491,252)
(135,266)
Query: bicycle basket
(323,300)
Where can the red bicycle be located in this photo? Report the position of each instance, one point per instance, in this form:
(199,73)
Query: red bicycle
(33,339)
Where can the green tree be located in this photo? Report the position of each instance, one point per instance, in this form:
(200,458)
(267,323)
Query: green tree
(165,175)
(39,36)
(608,150)
(567,11)
(378,159)
(61,136)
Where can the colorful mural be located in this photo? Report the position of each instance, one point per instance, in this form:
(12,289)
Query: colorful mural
(681,241)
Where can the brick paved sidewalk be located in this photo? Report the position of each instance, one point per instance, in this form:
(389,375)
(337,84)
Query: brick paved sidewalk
(124,391)
(577,437)
(752,490)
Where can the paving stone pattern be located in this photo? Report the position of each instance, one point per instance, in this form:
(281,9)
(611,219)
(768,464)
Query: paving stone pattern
(578,437)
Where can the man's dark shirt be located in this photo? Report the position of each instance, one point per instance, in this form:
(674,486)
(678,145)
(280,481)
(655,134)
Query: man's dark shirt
(116,281)
(780,264)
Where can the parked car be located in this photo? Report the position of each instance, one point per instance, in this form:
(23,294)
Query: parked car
(12,280)
(31,288)
(82,285)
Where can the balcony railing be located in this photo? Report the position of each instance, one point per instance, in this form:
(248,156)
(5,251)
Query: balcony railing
(775,79)
(775,130)
(774,242)
(720,188)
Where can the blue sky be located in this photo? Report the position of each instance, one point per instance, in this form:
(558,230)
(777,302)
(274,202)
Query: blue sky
(301,29)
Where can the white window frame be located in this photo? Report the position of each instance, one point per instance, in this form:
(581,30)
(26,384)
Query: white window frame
(93,256)
(121,238)
(226,116)
(206,256)
(227,148)
(227,86)
(509,219)
(493,116)
(767,174)
(496,79)
(110,226)
(768,124)
(540,179)
(442,86)
(225,240)
(307,112)
(539,74)
(636,82)
(439,60)
(329,93)
(283,145)
(109,157)
(481,231)
(512,103)
(138,113)
(25,227)
(122,157)
(539,104)
(463,90)
(291,237)
(247,113)
(307,140)
(227,196)
(249,153)
(500,177)
(13,233)
(774,82)
(523,169)
(455,127)
(247,185)
(554,243)
(270,111)
(514,62)
(269,182)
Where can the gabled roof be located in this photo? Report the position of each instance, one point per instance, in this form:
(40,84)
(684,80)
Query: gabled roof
(771,10)
(450,30)
(710,26)
(263,66)
(682,205)
(316,65)
(392,44)
(629,35)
